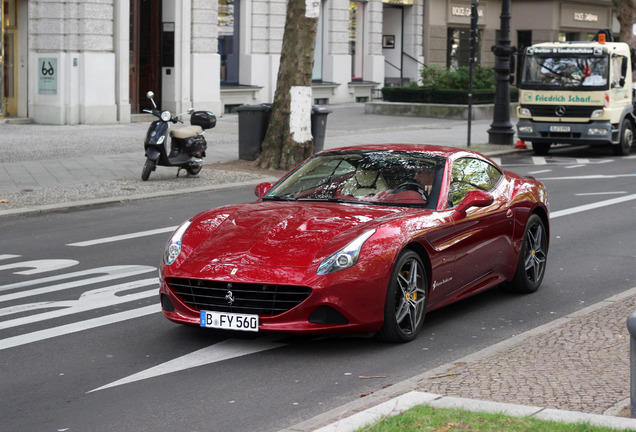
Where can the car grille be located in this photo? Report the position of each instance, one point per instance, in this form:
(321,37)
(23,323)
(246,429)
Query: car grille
(570,110)
(258,299)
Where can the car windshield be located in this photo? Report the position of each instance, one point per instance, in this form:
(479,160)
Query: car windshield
(570,72)
(369,177)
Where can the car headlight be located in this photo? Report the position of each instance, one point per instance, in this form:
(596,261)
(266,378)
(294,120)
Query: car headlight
(525,112)
(173,248)
(166,116)
(597,113)
(345,257)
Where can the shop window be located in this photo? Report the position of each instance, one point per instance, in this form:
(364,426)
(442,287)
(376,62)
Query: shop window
(356,38)
(458,50)
(566,37)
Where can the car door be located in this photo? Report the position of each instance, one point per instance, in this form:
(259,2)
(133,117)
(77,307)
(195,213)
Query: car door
(482,238)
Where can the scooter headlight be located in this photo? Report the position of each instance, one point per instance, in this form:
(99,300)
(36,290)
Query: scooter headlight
(173,248)
(166,116)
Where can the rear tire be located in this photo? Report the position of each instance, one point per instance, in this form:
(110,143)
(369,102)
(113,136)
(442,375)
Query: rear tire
(193,169)
(149,167)
(627,140)
(532,258)
(541,149)
(405,304)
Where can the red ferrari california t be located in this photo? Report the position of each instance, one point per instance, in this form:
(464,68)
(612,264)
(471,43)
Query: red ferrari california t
(362,239)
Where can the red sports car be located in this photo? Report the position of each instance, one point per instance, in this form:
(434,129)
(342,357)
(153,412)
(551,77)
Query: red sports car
(362,239)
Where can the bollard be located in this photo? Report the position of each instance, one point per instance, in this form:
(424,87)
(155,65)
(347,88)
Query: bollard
(631,327)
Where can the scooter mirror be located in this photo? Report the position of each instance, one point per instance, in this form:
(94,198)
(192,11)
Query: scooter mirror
(150,95)
(190,110)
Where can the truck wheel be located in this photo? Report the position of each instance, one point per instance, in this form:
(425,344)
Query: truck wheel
(627,139)
(541,149)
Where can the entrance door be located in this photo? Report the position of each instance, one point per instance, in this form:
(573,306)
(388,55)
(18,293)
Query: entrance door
(145,66)
(392,25)
(8,59)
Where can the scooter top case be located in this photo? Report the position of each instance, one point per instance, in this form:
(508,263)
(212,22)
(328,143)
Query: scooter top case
(205,119)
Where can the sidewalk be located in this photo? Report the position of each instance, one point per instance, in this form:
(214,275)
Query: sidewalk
(573,368)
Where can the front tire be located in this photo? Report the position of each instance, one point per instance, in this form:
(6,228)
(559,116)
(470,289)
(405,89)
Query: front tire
(627,139)
(149,167)
(406,296)
(532,258)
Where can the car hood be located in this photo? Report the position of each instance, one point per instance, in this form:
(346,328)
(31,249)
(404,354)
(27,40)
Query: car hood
(286,234)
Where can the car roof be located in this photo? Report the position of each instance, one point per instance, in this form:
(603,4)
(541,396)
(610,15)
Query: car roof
(443,151)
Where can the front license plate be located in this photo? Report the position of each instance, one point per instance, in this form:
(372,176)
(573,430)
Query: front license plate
(229,321)
(559,128)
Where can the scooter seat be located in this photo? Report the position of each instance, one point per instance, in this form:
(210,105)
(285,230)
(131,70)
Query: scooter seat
(186,131)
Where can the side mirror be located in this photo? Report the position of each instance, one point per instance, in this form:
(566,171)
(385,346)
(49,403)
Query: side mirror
(150,95)
(190,110)
(474,198)
(262,188)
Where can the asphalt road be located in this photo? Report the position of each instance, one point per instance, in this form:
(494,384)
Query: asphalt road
(83,346)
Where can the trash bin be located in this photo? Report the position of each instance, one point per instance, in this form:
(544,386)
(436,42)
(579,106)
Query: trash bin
(253,121)
(319,126)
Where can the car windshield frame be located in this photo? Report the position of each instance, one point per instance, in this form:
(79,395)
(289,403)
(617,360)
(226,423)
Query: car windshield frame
(565,71)
(369,177)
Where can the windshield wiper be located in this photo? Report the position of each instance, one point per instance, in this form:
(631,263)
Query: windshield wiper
(278,198)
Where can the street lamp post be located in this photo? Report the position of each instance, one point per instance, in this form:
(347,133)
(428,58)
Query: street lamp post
(501,131)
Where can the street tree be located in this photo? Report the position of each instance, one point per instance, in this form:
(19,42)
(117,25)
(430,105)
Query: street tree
(288,140)
(626,16)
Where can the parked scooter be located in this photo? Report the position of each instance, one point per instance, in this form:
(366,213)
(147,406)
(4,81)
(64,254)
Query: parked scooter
(187,144)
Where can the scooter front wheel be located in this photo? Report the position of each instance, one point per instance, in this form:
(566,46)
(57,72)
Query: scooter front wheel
(149,167)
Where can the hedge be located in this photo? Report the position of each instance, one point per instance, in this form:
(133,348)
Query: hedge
(439,96)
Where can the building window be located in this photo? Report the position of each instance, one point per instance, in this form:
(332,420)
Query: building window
(458,50)
(316,74)
(356,38)
(229,40)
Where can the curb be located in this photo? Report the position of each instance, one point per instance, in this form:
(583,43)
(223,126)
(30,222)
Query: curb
(23,211)
(365,408)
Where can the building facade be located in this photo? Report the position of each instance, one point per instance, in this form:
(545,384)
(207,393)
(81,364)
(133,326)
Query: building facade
(92,62)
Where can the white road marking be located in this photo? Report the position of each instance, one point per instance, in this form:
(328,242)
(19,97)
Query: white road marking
(225,350)
(77,327)
(592,206)
(538,160)
(90,300)
(111,273)
(601,193)
(124,237)
(590,177)
(39,266)
(7,256)
(540,172)
(574,166)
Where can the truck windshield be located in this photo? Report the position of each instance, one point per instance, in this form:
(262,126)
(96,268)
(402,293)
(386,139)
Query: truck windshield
(542,72)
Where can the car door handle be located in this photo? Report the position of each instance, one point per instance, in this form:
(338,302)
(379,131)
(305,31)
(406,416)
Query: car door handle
(509,213)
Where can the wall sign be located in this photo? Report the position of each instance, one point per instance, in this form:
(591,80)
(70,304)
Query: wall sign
(47,75)
(585,17)
(465,11)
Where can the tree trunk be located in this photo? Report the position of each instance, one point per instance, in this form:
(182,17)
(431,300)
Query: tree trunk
(626,13)
(288,140)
